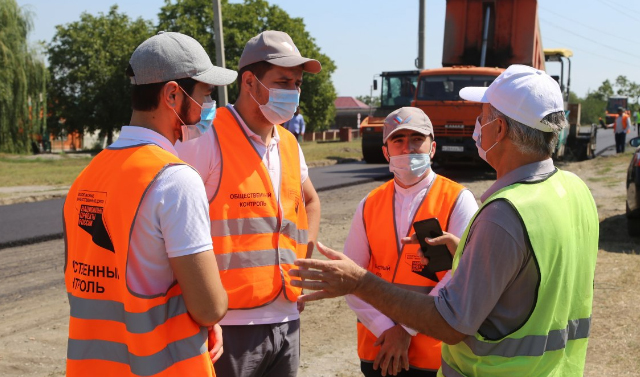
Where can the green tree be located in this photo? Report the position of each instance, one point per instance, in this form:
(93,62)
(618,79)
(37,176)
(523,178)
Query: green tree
(87,61)
(369,100)
(22,81)
(243,21)
(593,107)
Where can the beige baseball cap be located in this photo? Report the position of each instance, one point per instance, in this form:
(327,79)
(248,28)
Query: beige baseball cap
(277,48)
(171,56)
(407,118)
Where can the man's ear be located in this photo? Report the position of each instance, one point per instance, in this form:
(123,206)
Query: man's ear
(248,80)
(502,129)
(385,152)
(170,93)
(433,149)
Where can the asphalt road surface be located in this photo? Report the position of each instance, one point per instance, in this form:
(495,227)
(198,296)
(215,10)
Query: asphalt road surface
(27,223)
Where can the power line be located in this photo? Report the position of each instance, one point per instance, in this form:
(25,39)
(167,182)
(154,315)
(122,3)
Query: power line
(590,40)
(594,54)
(591,27)
(614,6)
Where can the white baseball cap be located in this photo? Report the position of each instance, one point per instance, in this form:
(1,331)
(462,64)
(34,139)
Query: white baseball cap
(171,56)
(522,93)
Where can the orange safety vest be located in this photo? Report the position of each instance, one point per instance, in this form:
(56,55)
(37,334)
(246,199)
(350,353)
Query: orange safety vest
(113,331)
(397,267)
(624,120)
(256,238)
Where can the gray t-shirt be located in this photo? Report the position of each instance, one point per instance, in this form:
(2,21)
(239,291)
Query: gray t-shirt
(493,290)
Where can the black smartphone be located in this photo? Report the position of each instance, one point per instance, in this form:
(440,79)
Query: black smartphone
(440,258)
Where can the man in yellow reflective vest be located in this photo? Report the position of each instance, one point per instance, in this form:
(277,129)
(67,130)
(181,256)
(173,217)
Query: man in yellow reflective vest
(520,295)
(264,210)
(142,281)
(382,219)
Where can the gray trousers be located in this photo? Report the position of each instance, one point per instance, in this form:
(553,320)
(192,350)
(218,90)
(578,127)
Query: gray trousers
(271,350)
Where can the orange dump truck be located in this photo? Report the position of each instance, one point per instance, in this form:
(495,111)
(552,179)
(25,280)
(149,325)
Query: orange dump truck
(481,39)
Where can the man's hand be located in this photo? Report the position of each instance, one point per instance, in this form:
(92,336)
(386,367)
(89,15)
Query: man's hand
(446,238)
(215,342)
(394,351)
(336,277)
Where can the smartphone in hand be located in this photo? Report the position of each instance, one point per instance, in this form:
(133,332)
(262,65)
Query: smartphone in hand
(440,258)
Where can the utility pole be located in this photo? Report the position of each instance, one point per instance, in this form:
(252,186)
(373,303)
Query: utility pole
(421,29)
(219,41)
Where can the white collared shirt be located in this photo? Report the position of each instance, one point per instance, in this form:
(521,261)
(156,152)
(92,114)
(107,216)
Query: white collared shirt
(172,221)
(204,155)
(406,203)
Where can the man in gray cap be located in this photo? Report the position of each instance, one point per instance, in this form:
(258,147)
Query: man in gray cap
(519,299)
(264,210)
(139,261)
(384,217)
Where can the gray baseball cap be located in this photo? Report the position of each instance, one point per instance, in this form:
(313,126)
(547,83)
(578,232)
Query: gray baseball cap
(406,118)
(171,56)
(277,48)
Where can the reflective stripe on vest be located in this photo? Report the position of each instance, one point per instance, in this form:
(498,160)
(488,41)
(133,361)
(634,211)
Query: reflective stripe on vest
(561,226)
(256,234)
(397,266)
(112,330)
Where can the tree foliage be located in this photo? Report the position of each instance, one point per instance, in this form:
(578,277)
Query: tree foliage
(87,61)
(22,81)
(373,101)
(243,21)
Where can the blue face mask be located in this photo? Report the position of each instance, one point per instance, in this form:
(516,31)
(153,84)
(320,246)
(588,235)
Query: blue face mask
(207,114)
(281,106)
(410,168)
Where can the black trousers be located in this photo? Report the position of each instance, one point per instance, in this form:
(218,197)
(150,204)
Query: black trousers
(367,371)
(621,139)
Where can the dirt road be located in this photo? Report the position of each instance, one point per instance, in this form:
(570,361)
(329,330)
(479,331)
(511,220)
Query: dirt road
(34,309)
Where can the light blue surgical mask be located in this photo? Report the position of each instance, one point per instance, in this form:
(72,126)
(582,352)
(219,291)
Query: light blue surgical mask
(410,168)
(281,106)
(207,114)
(477,136)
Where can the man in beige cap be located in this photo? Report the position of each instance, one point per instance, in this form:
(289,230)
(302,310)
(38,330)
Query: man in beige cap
(384,217)
(519,299)
(141,277)
(264,210)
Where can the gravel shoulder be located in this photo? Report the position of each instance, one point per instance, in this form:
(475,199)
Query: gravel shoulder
(34,309)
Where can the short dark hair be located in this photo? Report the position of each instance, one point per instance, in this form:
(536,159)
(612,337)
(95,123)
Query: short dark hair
(259,69)
(147,97)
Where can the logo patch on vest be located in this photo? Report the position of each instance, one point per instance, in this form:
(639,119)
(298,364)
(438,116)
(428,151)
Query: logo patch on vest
(90,207)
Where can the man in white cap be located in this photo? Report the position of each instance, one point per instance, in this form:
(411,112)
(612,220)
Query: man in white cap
(382,219)
(264,210)
(519,299)
(141,276)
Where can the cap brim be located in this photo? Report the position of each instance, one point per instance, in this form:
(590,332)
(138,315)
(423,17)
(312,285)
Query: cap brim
(474,93)
(217,76)
(412,128)
(308,65)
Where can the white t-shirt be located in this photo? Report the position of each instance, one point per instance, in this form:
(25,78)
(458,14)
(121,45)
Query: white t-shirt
(172,221)
(204,154)
(406,202)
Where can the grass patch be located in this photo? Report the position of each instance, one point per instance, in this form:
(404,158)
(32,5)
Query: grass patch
(22,171)
(314,151)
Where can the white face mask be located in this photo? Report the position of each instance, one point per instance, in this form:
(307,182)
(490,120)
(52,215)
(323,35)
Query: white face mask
(410,168)
(477,136)
(207,114)
(281,106)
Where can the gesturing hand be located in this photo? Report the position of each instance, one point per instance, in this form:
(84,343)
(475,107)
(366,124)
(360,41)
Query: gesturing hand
(336,277)
(394,351)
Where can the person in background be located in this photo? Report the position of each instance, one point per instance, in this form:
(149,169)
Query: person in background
(621,127)
(264,210)
(382,219)
(296,125)
(142,280)
(519,302)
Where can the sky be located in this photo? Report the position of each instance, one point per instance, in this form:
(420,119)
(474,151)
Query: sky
(366,37)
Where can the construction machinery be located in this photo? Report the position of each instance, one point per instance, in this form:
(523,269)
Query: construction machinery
(481,39)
